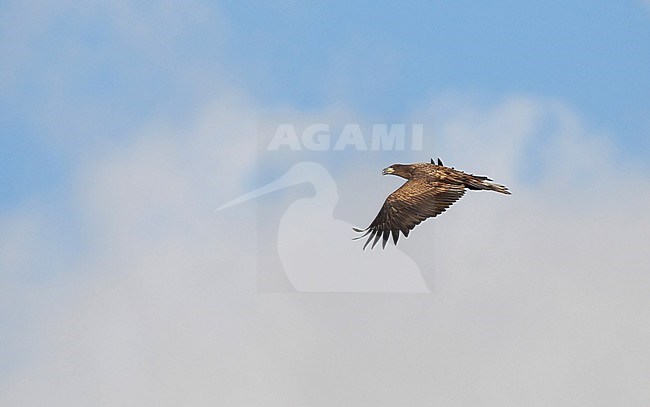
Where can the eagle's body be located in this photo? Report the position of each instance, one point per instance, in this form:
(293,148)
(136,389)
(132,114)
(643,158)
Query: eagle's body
(430,189)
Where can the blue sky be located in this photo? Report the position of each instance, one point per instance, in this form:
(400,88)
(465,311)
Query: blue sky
(382,61)
(392,56)
(125,123)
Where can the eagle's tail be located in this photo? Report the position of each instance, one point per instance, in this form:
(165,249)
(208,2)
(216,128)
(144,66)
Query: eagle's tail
(478,182)
(498,188)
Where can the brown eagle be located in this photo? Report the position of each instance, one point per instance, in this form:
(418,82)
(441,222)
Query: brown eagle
(429,191)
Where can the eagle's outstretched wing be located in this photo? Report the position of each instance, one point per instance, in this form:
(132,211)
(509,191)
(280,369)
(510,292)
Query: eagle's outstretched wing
(409,205)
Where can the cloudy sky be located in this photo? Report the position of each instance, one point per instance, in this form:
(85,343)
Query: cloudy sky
(124,124)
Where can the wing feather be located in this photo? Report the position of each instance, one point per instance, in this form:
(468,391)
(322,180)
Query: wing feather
(408,206)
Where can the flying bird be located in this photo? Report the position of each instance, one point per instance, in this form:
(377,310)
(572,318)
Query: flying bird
(430,189)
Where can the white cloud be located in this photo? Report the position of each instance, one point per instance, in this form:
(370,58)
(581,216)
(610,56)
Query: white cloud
(540,298)
(77,72)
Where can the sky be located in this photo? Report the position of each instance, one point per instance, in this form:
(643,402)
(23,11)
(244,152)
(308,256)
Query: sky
(124,124)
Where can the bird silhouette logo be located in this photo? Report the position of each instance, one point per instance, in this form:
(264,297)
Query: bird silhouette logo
(314,248)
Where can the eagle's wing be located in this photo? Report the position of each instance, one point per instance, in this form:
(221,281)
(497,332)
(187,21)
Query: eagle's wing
(409,205)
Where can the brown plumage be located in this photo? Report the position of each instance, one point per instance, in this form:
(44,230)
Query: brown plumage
(429,191)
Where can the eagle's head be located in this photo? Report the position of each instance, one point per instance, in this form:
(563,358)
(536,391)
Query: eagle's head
(400,170)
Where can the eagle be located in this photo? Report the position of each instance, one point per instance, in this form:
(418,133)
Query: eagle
(430,189)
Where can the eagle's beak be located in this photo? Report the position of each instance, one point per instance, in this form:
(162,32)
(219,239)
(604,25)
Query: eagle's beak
(388,170)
